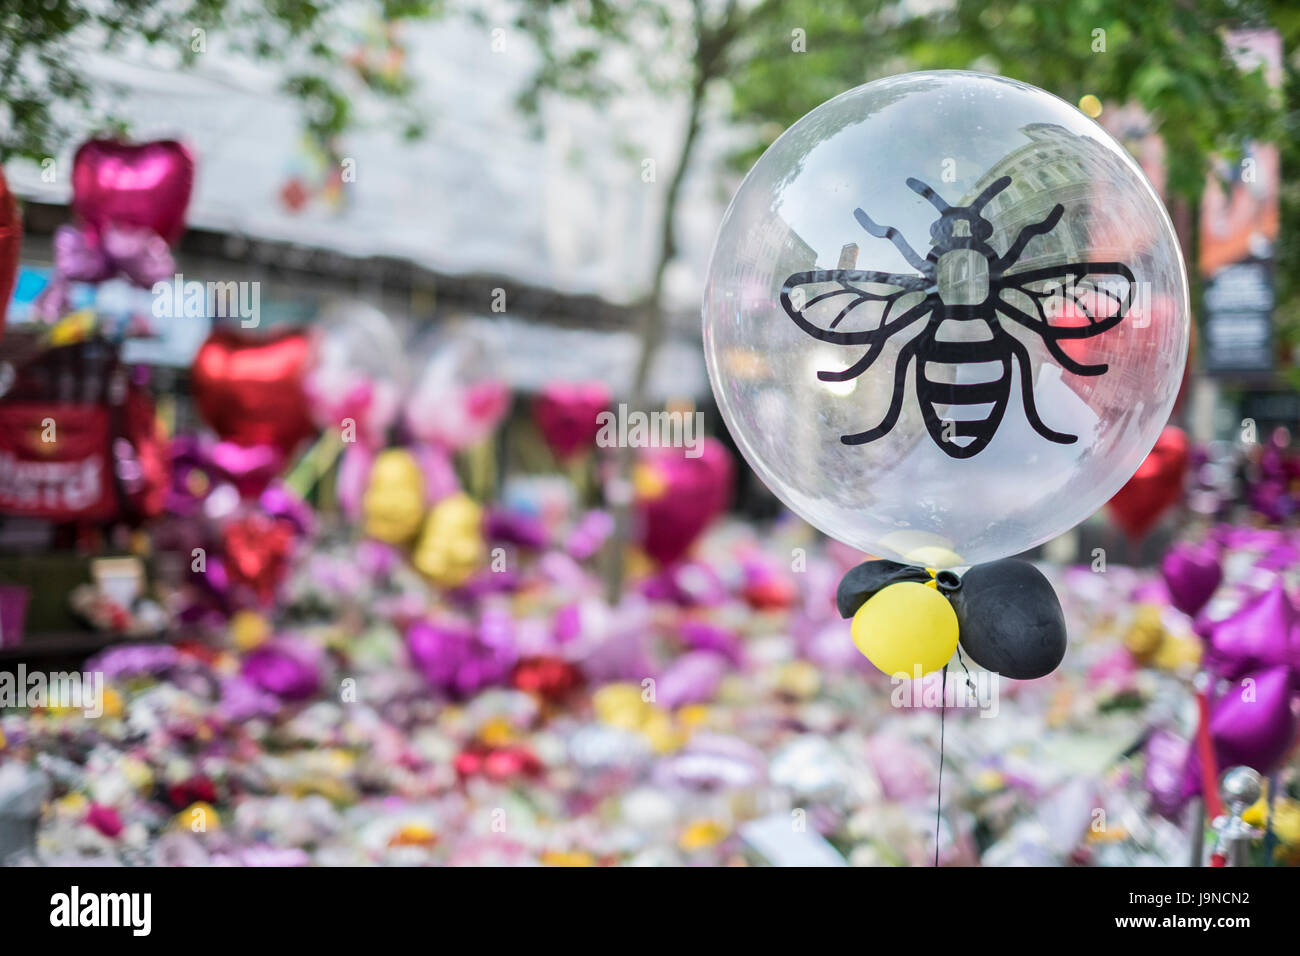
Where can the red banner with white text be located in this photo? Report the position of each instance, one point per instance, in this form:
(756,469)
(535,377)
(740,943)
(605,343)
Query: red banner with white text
(55,461)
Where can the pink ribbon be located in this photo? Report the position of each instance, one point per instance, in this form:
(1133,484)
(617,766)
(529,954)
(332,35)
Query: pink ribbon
(138,255)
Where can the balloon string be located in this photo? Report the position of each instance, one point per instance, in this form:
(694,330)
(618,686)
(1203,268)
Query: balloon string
(938,797)
(970,681)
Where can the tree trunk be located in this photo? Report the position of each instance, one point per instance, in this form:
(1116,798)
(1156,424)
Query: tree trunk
(650,333)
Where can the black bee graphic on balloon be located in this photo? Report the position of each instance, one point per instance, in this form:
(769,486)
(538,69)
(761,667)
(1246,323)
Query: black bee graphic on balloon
(983,340)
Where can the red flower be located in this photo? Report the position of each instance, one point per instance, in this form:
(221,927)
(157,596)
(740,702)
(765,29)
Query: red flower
(197,789)
(771,593)
(498,764)
(549,677)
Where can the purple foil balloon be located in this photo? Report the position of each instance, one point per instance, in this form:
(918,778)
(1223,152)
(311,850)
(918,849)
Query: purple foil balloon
(1255,725)
(1192,574)
(287,669)
(1260,634)
(455,660)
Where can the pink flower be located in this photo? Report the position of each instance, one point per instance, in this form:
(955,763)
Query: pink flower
(104,819)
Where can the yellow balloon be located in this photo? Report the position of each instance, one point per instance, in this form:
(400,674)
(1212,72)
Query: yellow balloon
(907,628)
(393,504)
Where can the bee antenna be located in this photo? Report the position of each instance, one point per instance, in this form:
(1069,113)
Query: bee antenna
(929,194)
(991,190)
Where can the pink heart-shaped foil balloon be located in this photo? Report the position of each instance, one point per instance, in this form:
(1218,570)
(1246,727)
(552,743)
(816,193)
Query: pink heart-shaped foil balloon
(689,494)
(566,415)
(146,185)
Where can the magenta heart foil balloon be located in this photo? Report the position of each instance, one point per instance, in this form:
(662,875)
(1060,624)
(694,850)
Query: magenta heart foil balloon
(1264,632)
(566,415)
(1253,724)
(693,492)
(1192,574)
(146,185)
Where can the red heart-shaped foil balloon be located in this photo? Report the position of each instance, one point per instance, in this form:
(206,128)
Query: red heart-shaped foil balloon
(249,390)
(11,239)
(258,548)
(1154,488)
(146,185)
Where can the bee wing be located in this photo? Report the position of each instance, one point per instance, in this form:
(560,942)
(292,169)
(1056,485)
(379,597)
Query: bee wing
(851,306)
(1100,293)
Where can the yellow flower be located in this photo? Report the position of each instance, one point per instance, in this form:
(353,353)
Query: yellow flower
(567,858)
(112,703)
(648,483)
(249,629)
(695,715)
(198,817)
(799,679)
(137,773)
(1111,834)
(496,732)
(1176,652)
(1286,821)
(414,834)
(620,705)
(72,803)
(658,728)
(1146,633)
(701,834)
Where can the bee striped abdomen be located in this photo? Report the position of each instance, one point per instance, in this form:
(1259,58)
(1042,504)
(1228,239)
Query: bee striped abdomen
(963,388)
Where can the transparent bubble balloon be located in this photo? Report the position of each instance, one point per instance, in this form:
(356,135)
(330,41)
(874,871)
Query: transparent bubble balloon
(946,317)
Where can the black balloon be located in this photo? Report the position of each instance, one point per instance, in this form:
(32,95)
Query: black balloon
(1009,619)
(866,579)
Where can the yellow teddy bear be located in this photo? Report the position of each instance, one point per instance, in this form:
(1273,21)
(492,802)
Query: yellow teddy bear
(393,504)
(451,546)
